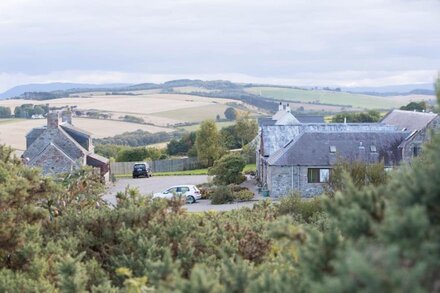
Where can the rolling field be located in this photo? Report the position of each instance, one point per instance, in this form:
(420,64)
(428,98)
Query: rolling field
(14,131)
(163,111)
(335,98)
(158,109)
(220,125)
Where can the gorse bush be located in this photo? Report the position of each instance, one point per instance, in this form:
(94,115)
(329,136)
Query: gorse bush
(221,195)
(57,236)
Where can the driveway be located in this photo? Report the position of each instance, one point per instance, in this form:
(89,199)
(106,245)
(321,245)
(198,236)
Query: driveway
(156,184)
(151,185)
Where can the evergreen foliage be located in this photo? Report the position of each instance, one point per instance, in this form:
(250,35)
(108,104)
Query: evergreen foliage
(58,236)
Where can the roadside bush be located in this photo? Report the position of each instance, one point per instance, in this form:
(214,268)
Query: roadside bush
(237,188)
(221,195)
(296,206)
(243,195)
(228,170)
(206,189)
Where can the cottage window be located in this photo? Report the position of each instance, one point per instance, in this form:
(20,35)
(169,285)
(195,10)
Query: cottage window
(316,175)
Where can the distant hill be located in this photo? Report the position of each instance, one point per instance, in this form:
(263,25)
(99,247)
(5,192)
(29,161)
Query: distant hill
(55,86)
(407,89)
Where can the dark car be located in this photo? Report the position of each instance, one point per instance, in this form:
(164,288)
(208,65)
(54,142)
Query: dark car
(141,170)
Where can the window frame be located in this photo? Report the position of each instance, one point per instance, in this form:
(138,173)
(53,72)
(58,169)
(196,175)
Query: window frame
(315,175)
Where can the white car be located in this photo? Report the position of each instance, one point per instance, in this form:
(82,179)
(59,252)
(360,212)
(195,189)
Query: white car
(191,192)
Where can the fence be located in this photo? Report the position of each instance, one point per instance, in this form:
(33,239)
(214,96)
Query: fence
(173,165)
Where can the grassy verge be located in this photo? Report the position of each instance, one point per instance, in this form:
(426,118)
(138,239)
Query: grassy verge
(248,167)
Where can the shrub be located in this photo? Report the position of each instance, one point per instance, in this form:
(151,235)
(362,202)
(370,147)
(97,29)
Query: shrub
(305,209)
(206,189)
(228,170)
(221,195)
(243,195)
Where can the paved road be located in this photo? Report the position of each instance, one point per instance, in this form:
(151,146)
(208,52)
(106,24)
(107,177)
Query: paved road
(151,185)
(160,183)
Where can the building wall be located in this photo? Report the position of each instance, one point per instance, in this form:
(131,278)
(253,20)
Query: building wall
(284,180)
(419,139)
(53,162)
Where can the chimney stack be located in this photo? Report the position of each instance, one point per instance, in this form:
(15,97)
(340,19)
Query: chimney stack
(280,107)
(67,115)
(288,108)
(52,120)
(361,152)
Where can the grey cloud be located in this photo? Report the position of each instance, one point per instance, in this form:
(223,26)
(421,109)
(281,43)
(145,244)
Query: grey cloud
(273,39)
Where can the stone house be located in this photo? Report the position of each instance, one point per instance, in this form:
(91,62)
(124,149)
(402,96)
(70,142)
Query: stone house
(420,124)
(298,156)
(60,147)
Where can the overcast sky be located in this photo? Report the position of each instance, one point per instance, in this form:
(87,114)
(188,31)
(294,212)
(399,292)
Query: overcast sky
(296,42)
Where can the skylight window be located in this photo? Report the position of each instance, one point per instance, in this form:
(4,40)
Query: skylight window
(333,149)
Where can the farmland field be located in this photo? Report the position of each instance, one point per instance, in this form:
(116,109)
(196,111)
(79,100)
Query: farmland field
(220,125)
(13,133)
(158,109)
(336,98)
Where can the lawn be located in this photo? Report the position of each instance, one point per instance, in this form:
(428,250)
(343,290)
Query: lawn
(331,97)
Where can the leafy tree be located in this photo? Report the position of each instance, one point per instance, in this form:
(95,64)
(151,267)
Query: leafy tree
(228,169)
(229,137)
(247,128)
(132,155)
(415,106)
(230,113)
(5,112)
(362,117)
(208,143)
(183,146)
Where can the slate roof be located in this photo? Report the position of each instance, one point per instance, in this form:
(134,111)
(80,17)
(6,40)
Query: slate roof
(313,148)
(287,119)
(408,120)
(274,137)
(310,118)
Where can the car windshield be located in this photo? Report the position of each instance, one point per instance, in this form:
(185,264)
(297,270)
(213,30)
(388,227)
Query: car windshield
(139,166)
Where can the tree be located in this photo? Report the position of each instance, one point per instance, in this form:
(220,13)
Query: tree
(183,146)
(229,137)
(361,117)
(228,169)
(5,112)
(247,128)
(230,113)
(132,155)
(208,143)
(415,106)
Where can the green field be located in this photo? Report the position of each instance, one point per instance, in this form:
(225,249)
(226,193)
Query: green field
(195,127)
(331,97)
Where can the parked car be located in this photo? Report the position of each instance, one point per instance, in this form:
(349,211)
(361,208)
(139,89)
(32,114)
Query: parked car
(141,169)
(190,192)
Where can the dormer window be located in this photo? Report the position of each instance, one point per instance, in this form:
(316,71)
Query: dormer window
(333,149)
(373,149)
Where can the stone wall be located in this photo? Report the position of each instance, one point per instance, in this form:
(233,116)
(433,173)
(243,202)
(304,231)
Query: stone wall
(284,180)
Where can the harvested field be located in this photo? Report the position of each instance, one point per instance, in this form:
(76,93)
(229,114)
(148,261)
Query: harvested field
(144,106)
(13,133)
(195,114)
